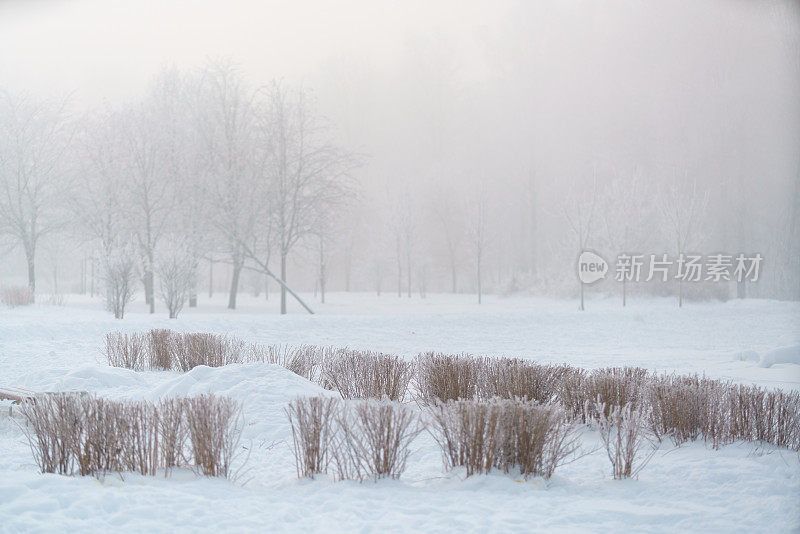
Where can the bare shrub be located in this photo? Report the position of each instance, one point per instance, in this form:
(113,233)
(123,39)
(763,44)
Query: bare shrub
(755,414)
(512,378)
(161,347)
(376,439)
(686,407)
(140,439)
(126,350)
(314,422)
(177,278)
(503,434)
(87,435)
(214,433)
(14,296)
(100,445)
(614,386)
(119,275)
(572,393)
(172,431)
(52,431)
(367,375)
(784,413)
(539,438)
(623,431)
(447,377)
(470,433)
(212,350)
(305,360)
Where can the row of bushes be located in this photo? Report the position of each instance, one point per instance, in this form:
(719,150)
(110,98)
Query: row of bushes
(680,408)
(359,440)
(73,434)
(371,439)
(164,350)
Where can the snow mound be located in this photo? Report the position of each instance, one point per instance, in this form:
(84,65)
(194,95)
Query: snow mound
(782,355)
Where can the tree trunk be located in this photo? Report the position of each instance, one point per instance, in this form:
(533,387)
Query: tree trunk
(624,292)
(582,296)
(210,278)
(408,273)
(453,273)
(149,289)
(31,274)
(399,278)
(237,270)
(479,279)
(283,279)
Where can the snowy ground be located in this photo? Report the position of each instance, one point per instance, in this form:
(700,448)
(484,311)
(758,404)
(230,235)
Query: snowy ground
(739,488)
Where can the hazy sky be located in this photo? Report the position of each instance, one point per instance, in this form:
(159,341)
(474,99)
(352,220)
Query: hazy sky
(109,48)
(437,94)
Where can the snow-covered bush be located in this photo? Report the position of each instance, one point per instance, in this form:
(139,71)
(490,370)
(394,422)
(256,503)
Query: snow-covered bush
(614,386)
(14,296)
(314,422)
(375,439)
(505,434)
(367,375)
(624,433)
(445,377)
(127,350)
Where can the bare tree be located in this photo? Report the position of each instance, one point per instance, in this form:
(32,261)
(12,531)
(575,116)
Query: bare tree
(226,123)
(621,202)
(150,195)
(307,172)
(579,210)
(98,202)
(176,273)
(450,219)
(34,137)
(683,206)
(477,232)
(119,275)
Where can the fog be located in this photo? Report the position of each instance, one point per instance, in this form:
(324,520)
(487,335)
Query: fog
(399,148)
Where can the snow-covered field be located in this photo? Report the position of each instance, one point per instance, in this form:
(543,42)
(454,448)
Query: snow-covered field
(739,488)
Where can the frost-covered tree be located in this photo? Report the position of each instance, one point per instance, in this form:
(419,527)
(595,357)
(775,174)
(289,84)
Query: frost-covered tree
(119,273)
(683,203)
(477,232)
(306,171)
(34,140)
(579,211)
(176,272)
(226,126)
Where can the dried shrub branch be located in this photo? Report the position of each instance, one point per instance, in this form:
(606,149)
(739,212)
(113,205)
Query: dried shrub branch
(314,423)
